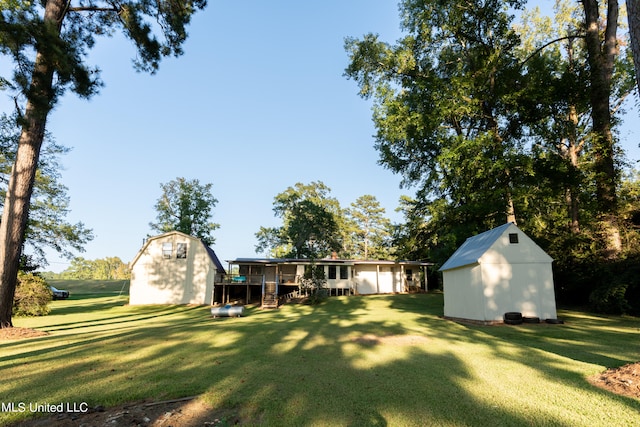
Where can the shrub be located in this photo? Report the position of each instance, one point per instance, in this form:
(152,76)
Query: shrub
(610,299)
(315,283)
(32,296)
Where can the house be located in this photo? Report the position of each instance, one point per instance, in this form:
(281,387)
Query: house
(501,270)
(270,280)
(173,268)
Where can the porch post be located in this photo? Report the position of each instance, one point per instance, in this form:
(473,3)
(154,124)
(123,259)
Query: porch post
(426,285)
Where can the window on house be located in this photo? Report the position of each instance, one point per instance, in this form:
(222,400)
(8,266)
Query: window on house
(513,237)
(332,272)
(316,271)
(409,273)
(181,250)
(344,272)
(167,250)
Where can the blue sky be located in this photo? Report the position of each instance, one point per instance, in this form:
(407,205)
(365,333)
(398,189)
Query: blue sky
(257,103)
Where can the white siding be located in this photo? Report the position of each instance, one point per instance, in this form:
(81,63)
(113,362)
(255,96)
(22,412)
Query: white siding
(463,293)
(366,279)
(159,280)
(386,282)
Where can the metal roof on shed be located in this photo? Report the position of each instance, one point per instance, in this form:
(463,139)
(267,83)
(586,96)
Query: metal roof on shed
(474,247)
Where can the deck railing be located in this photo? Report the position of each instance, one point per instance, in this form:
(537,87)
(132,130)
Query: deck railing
(299,293)
(239,279)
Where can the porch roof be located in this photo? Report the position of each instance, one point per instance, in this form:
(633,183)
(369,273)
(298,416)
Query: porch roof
(324,261)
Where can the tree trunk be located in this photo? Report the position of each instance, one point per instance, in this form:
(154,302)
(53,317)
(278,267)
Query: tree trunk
(21,180)
(511,210)
(633,15)
(601,58)
(572,151)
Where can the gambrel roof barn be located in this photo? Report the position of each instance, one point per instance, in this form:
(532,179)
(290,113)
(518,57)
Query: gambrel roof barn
(173,268)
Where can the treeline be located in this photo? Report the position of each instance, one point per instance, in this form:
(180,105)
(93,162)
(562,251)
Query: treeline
(110,268)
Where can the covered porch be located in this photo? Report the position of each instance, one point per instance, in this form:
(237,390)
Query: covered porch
(269,282)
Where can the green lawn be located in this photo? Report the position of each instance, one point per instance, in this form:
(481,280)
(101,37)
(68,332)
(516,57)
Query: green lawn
(352,361)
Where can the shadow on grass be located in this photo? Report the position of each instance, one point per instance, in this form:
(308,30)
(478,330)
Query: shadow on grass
(86,303)
(341,363)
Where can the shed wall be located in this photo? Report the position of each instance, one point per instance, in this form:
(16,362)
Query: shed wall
(159,280)
(463,293)
(525,288)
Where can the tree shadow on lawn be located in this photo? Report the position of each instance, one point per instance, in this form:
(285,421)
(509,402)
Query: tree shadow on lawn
(82,333)
(95,313)
(300,365)
(89,304)
(585,337)
(608,343)
(292,372)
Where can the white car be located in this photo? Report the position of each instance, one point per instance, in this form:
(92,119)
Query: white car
(59,293)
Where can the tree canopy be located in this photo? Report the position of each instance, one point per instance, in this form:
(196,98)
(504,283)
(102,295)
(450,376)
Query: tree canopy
(310,223)
(186,206)
(314,225)
(369,228)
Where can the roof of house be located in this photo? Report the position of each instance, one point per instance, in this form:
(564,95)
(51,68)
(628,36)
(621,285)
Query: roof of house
(322,261)
(214,258)
(476,246)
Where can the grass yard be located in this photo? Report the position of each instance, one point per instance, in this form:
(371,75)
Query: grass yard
(352,361)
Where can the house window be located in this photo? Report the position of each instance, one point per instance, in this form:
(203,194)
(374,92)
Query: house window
(332,272)
(344,272)
(513,237)
(317,271)
(409,273)
(167,250)
(181,250)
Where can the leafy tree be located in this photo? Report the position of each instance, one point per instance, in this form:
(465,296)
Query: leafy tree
(565,147)
(556,81)
(444,103)
(603,54)
(314,282)
(47,225)
(371,229)
(186,206)
(80,269)
(32,296)
(48,42)
(633,16)
(311,223)
(110,268)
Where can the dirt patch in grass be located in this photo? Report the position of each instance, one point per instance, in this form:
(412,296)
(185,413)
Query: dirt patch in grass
(624,380)
(19,333)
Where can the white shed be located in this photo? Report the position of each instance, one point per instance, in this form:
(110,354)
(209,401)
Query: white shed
(173,268)
(501,270)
